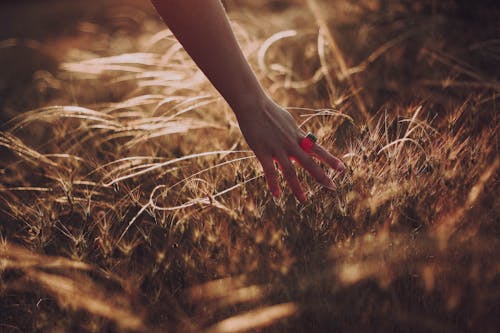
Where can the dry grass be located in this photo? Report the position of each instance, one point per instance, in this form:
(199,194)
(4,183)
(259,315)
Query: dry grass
(130,202)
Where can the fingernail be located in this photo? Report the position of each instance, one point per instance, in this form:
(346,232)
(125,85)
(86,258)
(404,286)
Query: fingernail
(331,187)
(276,193)
(341,167)
(329,184)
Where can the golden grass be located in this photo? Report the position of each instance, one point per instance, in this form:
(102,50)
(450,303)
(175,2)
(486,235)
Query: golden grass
(132,202)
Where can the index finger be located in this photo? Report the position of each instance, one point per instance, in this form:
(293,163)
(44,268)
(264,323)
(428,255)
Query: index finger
(321,153)
(310,166)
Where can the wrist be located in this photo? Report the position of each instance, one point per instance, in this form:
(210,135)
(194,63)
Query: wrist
(247,104)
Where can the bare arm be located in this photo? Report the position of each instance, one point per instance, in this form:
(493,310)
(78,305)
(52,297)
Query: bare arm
(202,27)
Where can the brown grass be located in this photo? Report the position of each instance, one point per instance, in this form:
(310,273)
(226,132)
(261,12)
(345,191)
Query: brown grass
(130,202)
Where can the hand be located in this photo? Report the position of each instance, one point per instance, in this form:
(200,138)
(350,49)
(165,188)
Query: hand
(273,135)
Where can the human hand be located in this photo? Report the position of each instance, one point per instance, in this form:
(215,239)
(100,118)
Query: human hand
(273,135)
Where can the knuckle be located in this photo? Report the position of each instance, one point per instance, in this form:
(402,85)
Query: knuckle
(317,149)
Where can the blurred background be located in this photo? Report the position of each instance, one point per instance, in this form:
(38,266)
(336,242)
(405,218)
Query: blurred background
(35,36)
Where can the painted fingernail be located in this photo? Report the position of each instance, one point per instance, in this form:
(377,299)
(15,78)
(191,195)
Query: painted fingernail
(341,167)
(329,184)
(276,193)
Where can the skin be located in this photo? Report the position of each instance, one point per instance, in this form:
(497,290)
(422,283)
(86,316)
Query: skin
(202,27)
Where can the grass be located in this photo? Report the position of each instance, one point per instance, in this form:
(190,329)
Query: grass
(129,200)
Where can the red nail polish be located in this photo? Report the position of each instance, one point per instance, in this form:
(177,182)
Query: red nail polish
(331,187)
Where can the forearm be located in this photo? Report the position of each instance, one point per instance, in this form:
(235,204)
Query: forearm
(203,29)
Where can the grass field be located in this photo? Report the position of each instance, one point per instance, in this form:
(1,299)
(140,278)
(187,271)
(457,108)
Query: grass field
(129,200)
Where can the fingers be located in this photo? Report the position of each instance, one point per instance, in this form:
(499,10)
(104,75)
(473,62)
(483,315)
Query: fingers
(291,177)
(308,164)
(271,175)
(328,158)
(305,160)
